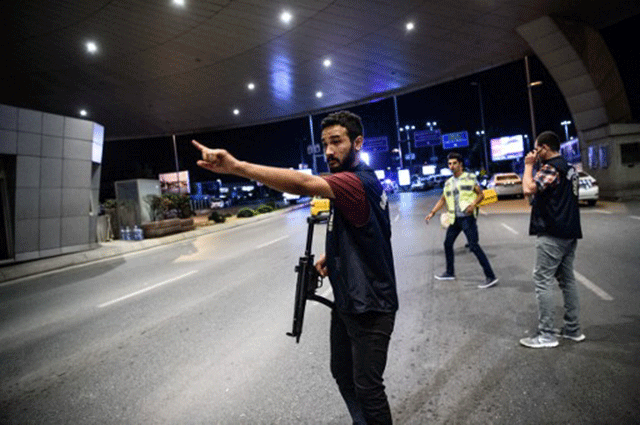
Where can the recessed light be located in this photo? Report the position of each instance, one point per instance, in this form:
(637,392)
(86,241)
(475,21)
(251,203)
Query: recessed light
(178,3)
(319,94)
(327,63)
(410,26)
(251,86)
(92,47)
(236,111)
(83,112)
(286,17)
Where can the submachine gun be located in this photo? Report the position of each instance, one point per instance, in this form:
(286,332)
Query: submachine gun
(309,280)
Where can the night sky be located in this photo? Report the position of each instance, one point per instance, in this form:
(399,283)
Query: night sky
(454,105)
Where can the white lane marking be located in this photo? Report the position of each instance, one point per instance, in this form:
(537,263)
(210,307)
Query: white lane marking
(602,211)
(142,291)
(635,217)
(396,218)
(593,287)
(509,228)
(272,242)
(483,212)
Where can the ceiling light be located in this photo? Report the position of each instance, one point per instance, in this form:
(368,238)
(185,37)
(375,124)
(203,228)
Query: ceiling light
(83,112)
(251,86)
(410,26)
(178,2)
(236,111)
(92,47)
(318,94)
(286,17)
(327,63)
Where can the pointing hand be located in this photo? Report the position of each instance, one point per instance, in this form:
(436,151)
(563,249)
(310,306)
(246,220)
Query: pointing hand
(216,160)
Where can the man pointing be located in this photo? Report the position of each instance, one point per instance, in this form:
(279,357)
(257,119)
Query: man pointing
(358,258)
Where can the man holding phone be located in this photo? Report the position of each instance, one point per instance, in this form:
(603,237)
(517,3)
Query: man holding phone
(555,221)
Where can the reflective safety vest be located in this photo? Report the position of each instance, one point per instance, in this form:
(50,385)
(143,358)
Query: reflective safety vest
(466,183)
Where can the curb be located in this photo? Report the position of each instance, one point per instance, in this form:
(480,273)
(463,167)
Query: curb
(109,250)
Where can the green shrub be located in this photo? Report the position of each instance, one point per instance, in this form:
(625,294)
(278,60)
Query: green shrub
(109,204)
(217,217)
(262,209)
(246,212)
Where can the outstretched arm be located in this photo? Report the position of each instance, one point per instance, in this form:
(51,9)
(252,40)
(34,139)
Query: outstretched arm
(281,179)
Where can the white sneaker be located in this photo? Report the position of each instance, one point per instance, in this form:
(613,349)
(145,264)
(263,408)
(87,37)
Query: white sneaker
(540,341)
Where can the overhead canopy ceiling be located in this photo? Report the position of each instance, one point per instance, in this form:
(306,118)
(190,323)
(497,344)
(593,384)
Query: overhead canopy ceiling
(160,68)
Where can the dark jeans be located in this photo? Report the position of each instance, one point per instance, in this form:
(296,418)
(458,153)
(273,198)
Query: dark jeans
(359,344)
(470,228)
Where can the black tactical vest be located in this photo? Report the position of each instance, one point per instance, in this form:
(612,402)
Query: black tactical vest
(359,259)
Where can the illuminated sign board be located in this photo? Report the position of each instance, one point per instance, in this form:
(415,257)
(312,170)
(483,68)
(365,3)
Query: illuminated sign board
(376,144)
(424,138)
(455,140)
(506,148)
(404,178)
(174,182)
(428,170)
(571,151)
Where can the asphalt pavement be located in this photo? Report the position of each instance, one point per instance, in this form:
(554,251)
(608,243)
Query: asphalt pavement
(192,331)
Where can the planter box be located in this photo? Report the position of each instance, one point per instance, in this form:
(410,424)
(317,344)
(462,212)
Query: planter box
(154,229)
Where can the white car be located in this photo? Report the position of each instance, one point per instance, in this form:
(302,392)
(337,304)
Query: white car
(215,203)
(290,198)
(506,184)
(588,190)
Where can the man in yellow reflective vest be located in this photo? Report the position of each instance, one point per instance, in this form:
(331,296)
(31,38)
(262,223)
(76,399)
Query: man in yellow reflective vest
(462,195)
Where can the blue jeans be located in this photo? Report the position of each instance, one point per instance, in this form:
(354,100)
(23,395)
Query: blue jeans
(359,344)
(470,228)
(554,260)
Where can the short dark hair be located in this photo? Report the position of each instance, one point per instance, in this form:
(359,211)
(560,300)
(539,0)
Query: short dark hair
(550,139)
(346,119)
(456,156)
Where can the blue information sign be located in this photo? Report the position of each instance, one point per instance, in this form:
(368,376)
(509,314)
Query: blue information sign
(424,138)
(376,144)
(455,140)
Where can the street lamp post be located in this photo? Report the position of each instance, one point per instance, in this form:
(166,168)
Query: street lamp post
(175,155)
(406,130)
(432,124)
(529,85)
(484,136)
(398,128)
(566,129)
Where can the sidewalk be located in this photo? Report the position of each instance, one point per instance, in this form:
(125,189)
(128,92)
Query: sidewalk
(117,248)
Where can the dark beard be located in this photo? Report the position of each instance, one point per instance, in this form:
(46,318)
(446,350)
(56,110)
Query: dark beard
(347,164)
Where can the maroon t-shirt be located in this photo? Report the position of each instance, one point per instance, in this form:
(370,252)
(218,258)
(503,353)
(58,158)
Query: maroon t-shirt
(350,198)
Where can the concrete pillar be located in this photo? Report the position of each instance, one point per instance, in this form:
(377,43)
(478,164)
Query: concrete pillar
(579,61)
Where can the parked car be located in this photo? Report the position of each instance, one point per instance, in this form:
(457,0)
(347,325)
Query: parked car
(437,180)
(290,198)
(588,189)
(506,184)
(219,203)
(419,183)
